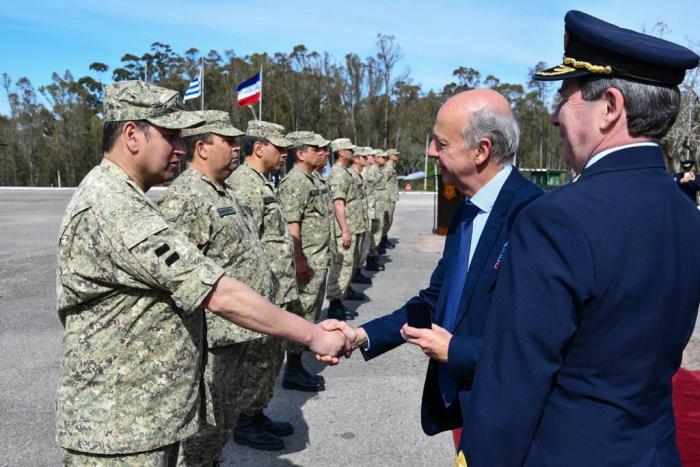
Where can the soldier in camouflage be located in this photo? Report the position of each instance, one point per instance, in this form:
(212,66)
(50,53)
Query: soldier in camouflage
(349,214)
(264,147)
(201,205)
(130,290)
(359,162)
(310,222)
(378,200)
(392,185)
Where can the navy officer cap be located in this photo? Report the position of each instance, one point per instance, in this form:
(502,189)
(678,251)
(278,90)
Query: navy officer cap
(688,164)
(594,47)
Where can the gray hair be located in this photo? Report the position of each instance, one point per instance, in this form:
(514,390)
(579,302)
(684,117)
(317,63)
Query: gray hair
(499,128)
(651,108)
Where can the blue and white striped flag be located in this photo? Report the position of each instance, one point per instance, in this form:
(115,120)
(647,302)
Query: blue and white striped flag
(194,89)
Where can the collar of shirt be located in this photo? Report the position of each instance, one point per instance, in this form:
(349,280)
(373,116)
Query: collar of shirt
(485,198)
(602,154)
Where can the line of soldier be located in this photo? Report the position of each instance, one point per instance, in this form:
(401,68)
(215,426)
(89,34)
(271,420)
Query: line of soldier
(287,243)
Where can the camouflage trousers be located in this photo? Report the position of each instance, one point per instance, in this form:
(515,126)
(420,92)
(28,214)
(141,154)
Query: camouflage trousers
(361,252)
(388,218)
(222,388)
(165,456)
(261,366)
(377,230)
(342,268)
(311,297)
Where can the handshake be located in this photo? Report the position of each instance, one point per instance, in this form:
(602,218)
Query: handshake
(335,339)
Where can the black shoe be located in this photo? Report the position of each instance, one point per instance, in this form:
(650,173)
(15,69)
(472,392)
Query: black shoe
(373,264)
(249,433)
(355,296)
(387,244)
(276,428)
(336,310)
(301,381)
(381,250)
(361,279)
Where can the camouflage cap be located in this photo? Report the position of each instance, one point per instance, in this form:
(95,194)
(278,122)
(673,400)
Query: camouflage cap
(379,153)
(325,142)
(363,151)
(342,143)
(136,100)
(392,152)
(215,121)
(301,138)
(272,132)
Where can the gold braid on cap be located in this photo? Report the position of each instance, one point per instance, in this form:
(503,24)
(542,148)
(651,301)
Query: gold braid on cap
(588,66)
(571,64)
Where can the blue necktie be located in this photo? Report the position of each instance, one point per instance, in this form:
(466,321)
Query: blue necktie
(455,281)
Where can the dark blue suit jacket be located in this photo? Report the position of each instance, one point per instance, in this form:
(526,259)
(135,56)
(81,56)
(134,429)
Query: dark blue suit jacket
(465,345)
(597,299)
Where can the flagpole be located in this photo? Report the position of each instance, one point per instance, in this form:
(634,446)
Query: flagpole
(261,94)
(201,80)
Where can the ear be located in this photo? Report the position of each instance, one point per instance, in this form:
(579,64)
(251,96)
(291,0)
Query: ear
(133,137)
(613,107)
(257,149)
(201,150)
(483,151)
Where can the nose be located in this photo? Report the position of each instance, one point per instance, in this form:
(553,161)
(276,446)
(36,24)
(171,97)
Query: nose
(432,149)
(179,148)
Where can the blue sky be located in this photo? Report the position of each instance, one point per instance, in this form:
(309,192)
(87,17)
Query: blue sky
(503,38)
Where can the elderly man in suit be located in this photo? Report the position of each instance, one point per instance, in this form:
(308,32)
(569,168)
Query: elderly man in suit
(598,293)
(475,139)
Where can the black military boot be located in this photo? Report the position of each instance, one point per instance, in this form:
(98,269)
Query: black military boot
(296,377)
(355,296)
(249,433)
(380,249)
(276,428)
(336,310)
(359,278)
(387,244)
(373,264)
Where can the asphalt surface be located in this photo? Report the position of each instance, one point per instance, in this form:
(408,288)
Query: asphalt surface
(368,415)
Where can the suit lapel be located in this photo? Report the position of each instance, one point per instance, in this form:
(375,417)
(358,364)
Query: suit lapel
(488,239)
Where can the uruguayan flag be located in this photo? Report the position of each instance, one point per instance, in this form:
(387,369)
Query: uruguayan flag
(194,89)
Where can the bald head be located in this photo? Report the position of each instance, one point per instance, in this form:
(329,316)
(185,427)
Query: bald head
(484,113)
(475,135)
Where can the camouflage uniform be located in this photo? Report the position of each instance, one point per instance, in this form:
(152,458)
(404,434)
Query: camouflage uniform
(302,198)
(392,185)
(129,288)
(223,230)
(265,356)
(128,292)
(363,250)
(379,201)
(344,187)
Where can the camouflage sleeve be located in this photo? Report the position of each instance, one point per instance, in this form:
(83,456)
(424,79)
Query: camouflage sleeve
(338,185)
(293,196)
(152,252)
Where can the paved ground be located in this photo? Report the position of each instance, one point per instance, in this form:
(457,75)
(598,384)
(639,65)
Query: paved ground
(369,414)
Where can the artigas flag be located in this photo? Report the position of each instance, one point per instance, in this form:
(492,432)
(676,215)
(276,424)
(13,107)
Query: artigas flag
(249,90)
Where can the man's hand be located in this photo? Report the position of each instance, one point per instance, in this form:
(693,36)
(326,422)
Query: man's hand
(434,342)
(354,338)
(303,271)
(328,345)
(347,239)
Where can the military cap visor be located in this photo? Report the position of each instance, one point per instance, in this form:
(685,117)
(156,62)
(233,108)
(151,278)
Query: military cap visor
(303,138)
(593,47)
(342,143)
(215,121)
(687,164)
